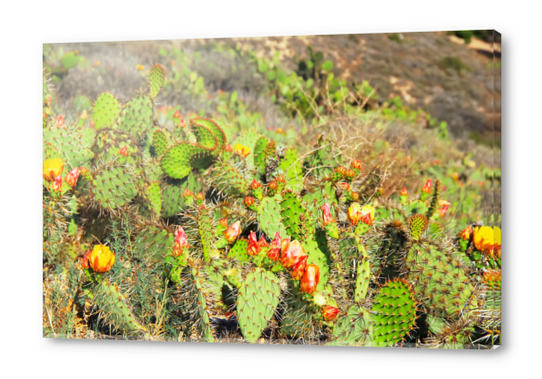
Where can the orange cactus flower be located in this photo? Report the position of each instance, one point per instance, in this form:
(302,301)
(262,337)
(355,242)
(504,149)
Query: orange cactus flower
(310,279)
(57,184)
(72,176)
(200,196)
(330,313)
(100,259)
(445,206)
(280,179)
(344,186)
(404,192)
(241,150)
(274,248)
(292,253)
(427,187)
(328,219)
(354,213)
(228,148)
(255,184)
(356,164)
(233,231)
(52,168)
(177,114)
(273,186)
(187,193)
(466,233)
(223,222)
(299,268)
(124,151)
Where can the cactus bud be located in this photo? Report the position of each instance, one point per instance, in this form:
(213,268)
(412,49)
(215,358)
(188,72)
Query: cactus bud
(228,148)
(72,176)
(52,168)
(328,219)
(177,114)
(310,279)
(100,259)
(233,231)
(124,151)
(182,122)
(181,242)
(356,164)
(292,252)
(280,179)
(427,187)
(445,206)
(187,193)
(404,192)
(273,186)
(343,186)
(223,222)
(253,246)
(274,248)
(330,312)
(57,184)
(60,121)
(249,201)
(200,197)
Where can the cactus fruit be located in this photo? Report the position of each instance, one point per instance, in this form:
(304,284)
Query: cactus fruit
(106,111)
(157,77)
(258,298)
(394,312)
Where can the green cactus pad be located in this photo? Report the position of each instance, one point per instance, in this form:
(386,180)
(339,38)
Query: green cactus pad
(154,197)
(258,298)
(199,124)
(417,224)
(157,77)
(72,146)
(260,156)
(114,187)
(293,214)
(177,160)
(239,251)
(363,273)
(197,304)
(206,231)
(394,313)
(159,142)
(106,111)
(137,117)
(154,242)
(172,195)
(292,165)
(269,216)
(318,196)
(441,281)
(230,179)
(353,329)
(318,258)
(114,308)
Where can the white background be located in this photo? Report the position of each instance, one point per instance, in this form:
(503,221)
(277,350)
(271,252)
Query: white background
(25,26)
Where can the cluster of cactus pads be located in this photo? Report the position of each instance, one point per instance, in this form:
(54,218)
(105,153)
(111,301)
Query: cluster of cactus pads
(255,239)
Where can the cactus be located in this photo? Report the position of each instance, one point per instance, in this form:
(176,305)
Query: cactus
(394,313)
(106,111)
(70,145)
(114,187)
(159,142)
(256,304)
(157,77)
(434,200)
(154,197)
(417,224)
(291,166)
(137,117)
(269,216)
(294,216)
(355,328)
(363,271)
(260,153)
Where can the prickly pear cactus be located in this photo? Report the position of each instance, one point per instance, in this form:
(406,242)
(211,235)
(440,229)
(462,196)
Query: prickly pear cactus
(256,304)
(106,111)
(157,77)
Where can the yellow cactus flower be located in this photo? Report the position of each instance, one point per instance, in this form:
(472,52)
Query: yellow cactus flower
(354,213)
(483,238)
(100,259)
(52,168)
(140,67)
(243,151)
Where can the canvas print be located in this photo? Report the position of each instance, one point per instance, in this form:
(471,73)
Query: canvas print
(339,190)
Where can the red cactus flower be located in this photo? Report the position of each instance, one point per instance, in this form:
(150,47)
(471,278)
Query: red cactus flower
(233,231)
(280,179)
(255,184)
(356,164)
(181,242)
(223,222)
(72,176)
(249,201)
(292,252)
(57,184)
(253,246)
(310,279)
(182,123)
(466,233)
(187,193)
(328,219)
(445,206)
(299,268)
(262,242)
(404,192)
(367,214)
(344,186)
(124,151)
(273,186)
(60,120)
(274,248)
(330,312)
(228,148)
(427,187)
(177,114)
